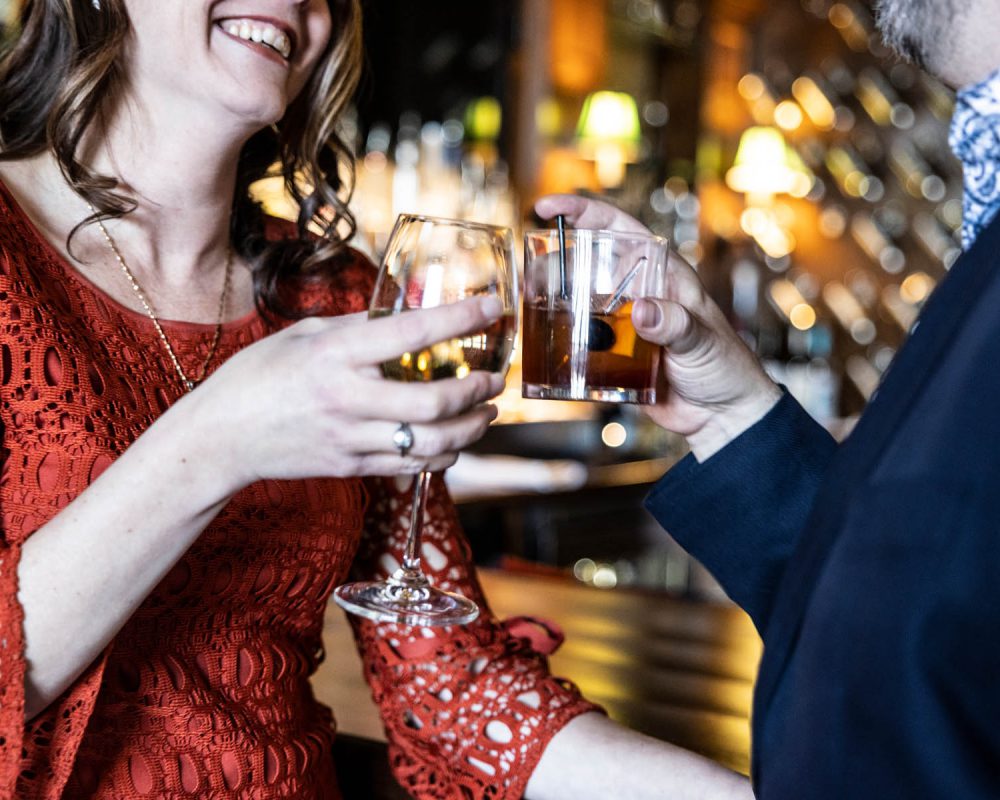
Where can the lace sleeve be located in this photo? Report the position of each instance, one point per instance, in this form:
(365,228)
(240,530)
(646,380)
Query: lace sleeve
(11,662)
(35,758)
(467,710)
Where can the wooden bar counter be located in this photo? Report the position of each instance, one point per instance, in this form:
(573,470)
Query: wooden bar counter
(676,669)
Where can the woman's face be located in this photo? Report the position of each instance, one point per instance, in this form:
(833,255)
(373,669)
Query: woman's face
(245,60)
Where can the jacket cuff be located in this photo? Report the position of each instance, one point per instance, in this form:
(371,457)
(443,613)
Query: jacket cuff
(742,511)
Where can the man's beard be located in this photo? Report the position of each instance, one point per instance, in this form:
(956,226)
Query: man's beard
(916,29)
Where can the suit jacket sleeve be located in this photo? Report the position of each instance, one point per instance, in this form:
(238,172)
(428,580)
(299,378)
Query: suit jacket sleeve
(742,511)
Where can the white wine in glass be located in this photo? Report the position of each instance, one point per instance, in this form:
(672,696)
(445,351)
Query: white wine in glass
(432,262)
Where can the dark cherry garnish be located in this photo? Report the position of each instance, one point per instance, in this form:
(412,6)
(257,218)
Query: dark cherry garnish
(600,335)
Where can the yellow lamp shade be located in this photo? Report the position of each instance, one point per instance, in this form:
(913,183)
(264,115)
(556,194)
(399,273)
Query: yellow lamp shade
(610,118)
(766,166)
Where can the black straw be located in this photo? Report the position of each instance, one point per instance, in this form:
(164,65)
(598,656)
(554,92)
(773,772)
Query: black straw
(561,224)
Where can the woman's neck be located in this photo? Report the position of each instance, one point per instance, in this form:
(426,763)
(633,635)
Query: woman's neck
(181,171)
(182,178)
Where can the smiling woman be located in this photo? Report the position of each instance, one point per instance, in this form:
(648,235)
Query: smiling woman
(187,470)
(57,78)
(263,35)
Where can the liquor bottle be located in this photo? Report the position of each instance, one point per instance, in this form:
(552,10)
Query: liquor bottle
(849,312)
(877,244)
(853,176)
(936,239)
(914,174)
(880,100)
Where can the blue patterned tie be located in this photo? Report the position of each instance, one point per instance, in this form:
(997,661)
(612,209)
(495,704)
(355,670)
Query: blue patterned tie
(975,139)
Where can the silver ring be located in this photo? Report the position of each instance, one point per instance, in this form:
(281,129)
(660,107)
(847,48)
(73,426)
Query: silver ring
(402,438)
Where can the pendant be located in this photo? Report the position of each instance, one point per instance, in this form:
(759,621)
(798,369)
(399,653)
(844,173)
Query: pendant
(189,385)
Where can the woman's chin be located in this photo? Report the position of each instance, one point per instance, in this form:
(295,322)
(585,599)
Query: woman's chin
(255,116)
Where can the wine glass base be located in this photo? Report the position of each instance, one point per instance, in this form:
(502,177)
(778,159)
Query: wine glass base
(382,601)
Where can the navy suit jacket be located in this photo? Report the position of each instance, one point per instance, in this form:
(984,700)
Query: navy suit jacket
(872,569)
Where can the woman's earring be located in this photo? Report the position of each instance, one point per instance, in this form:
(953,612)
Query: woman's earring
(96,4)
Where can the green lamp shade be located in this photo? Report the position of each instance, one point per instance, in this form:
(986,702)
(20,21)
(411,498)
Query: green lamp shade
(609,117)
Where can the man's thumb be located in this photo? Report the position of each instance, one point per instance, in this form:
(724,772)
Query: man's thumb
(665,323)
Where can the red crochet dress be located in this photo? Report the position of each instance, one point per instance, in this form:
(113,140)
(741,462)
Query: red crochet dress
(205,692)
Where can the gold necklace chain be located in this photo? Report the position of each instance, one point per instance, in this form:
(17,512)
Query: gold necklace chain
(186,382)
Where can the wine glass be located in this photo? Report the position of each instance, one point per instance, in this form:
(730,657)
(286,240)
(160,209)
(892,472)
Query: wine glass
(432,262)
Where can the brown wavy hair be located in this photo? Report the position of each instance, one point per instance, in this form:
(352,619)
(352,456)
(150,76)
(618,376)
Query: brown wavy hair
(55,75)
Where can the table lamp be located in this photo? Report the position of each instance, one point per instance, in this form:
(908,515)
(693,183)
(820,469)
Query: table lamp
(609,133)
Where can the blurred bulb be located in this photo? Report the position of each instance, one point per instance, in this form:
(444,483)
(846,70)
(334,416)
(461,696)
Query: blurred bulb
(892,260)
(788,115)
(614,434)
(915,288)
(863,331)
(751,87)
(605,577)
(833,222)
(802,316)
(584,570)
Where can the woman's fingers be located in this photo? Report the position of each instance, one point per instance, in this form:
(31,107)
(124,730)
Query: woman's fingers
(394,464)
(388,337)
(429,440)
(333,413)
(582,212)
(380,399)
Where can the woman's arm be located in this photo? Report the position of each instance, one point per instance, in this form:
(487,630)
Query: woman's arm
(308,401)
(593,757)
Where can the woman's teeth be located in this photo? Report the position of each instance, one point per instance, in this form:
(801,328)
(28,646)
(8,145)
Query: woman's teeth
(256,31)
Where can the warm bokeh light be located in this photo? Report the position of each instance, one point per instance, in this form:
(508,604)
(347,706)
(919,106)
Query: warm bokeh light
(833,222)
(874,100)
(845,19)
(863,375)
(763,226)
(578,56)
(849,312)
(802,316)
(614,434)
(584,570)
(605,577)
(751,87)
(915,288)
(817,105)
(905,314)
(785,296)
(788,115)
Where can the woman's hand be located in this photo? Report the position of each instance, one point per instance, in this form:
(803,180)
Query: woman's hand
(311,400)
(715,387)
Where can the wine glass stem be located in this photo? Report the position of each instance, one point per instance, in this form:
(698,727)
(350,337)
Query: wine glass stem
(411,558)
